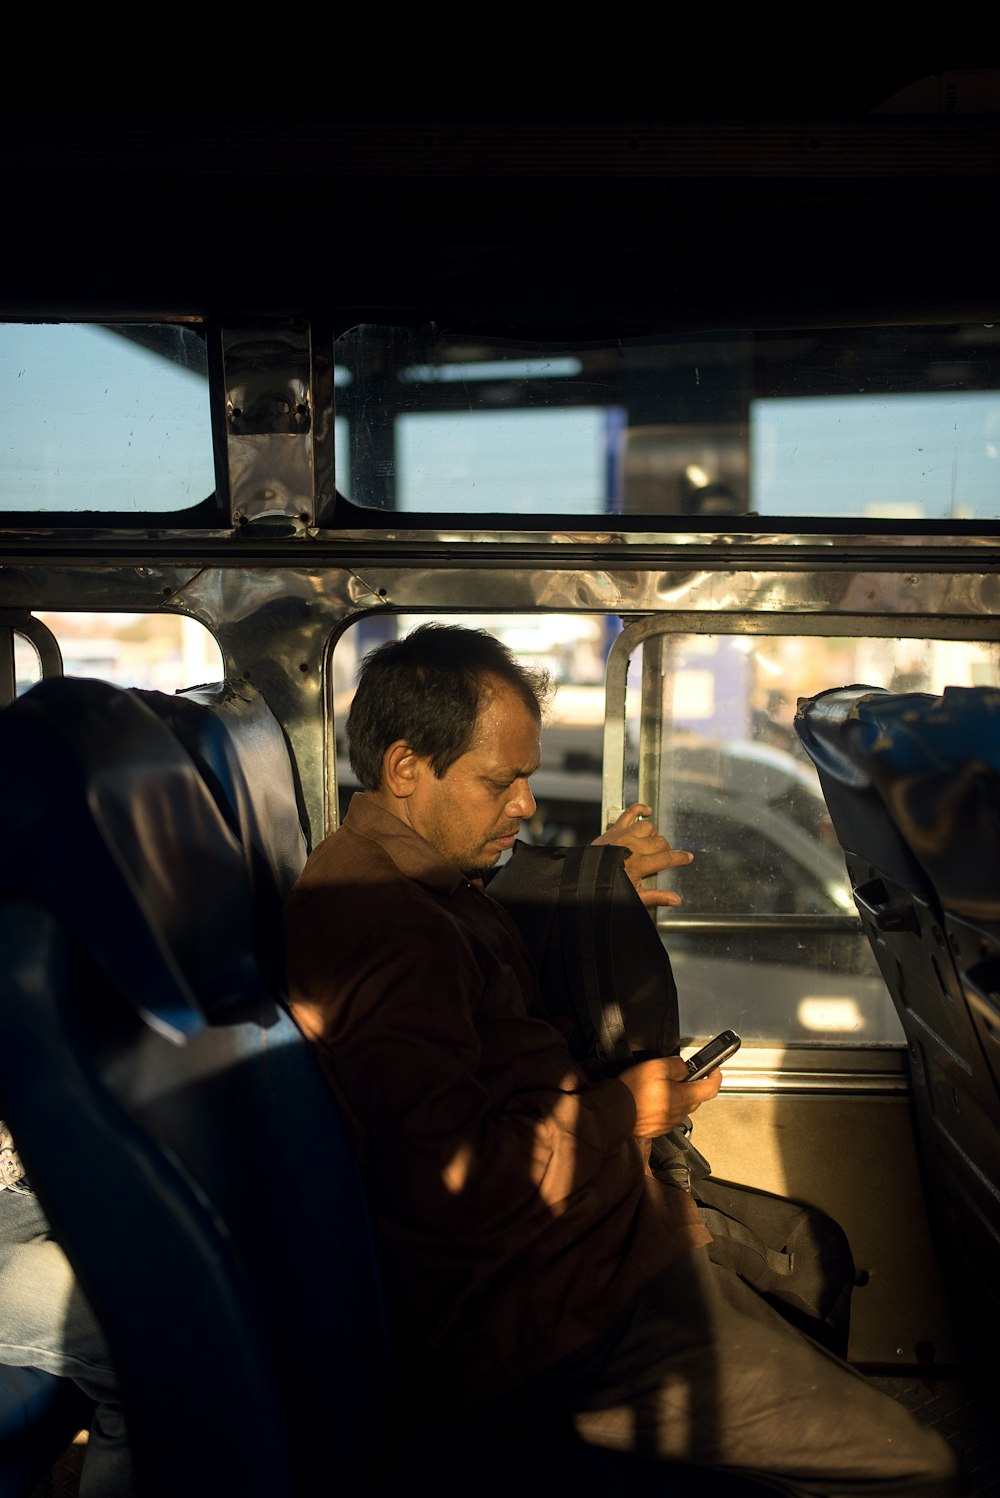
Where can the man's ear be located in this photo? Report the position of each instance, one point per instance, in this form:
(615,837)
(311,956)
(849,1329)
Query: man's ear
(402,769)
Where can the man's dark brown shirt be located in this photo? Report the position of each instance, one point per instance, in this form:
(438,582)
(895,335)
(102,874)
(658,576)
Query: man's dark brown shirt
(514,1210)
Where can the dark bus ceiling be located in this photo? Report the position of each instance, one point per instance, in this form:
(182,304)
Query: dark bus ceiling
(791,204)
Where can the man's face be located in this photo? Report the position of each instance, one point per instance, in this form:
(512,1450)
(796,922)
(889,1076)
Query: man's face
(474,811)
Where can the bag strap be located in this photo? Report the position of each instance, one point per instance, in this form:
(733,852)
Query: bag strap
(585,907)
(722,1226)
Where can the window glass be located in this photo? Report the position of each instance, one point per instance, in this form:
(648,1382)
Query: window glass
(27,666)
(165,651)
(749,868)
(342,453)
(767,941)
(887,425)
(894,457)
(563,462)
(104,419)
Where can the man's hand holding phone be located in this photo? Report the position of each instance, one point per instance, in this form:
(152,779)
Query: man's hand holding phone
(664,1095)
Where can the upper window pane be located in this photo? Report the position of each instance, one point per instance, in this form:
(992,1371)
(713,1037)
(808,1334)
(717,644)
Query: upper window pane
(560,461)
(880,425)
(115,420)
(889,457)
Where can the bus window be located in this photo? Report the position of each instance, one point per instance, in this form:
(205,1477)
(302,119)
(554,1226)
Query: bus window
(865,425)
(101,419)
(561,461)
(27,665)
(28,652)
(167,652)
(897,457)
(768,927)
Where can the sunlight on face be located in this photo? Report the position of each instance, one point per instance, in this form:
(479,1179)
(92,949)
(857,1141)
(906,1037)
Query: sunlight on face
(473,812)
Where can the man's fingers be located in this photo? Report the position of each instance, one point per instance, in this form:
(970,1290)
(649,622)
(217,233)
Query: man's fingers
(703,1091)
(652,898)
(637,809)
(671,858)
(629,817)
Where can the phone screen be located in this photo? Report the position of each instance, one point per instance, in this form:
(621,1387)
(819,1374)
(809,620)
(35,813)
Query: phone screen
(712,1055)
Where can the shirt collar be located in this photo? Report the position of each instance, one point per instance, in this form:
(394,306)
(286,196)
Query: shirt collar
(413,855)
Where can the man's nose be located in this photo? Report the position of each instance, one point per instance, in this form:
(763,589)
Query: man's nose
(522,802)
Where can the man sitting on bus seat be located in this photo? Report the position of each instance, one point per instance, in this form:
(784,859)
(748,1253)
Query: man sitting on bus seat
(46,1323)
(529,1251)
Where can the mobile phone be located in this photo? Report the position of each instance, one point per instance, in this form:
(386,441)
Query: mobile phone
(712,1055)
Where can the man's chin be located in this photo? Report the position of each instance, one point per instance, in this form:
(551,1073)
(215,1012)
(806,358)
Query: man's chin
(486,858)
(490,854)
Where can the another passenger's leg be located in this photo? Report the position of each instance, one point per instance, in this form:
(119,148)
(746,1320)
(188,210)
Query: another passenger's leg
(703,1371)
(46,1323)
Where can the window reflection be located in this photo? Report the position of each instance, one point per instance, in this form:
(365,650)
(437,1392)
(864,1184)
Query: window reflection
(887,425)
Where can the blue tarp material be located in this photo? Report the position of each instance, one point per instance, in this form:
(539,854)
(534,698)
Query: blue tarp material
(915,774)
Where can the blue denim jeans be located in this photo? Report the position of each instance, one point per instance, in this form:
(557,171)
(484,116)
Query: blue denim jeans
(45,1322)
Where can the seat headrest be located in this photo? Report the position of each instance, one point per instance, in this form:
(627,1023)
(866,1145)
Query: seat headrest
(241,751)
(836,731)
(924,773)
(109,825)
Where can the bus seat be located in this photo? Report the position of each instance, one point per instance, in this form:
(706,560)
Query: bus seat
(912,783)
(91,773)
(171,1116)
(241,752)
(893,892)
(39,1415)
(835,739)
(937,765)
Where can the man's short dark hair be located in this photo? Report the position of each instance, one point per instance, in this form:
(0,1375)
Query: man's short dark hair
(428,688)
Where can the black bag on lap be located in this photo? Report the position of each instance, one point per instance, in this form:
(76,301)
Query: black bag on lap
(603,968)
(576,909)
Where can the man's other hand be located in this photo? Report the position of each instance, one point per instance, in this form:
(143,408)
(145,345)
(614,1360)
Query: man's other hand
(648,852)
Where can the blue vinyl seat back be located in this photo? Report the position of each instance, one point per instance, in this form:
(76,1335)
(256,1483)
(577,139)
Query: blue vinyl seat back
(912,783)
(39,1415)
(240,750)
(837,734)
(937,765)
(842,731)
(173,1119)
(108,824)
